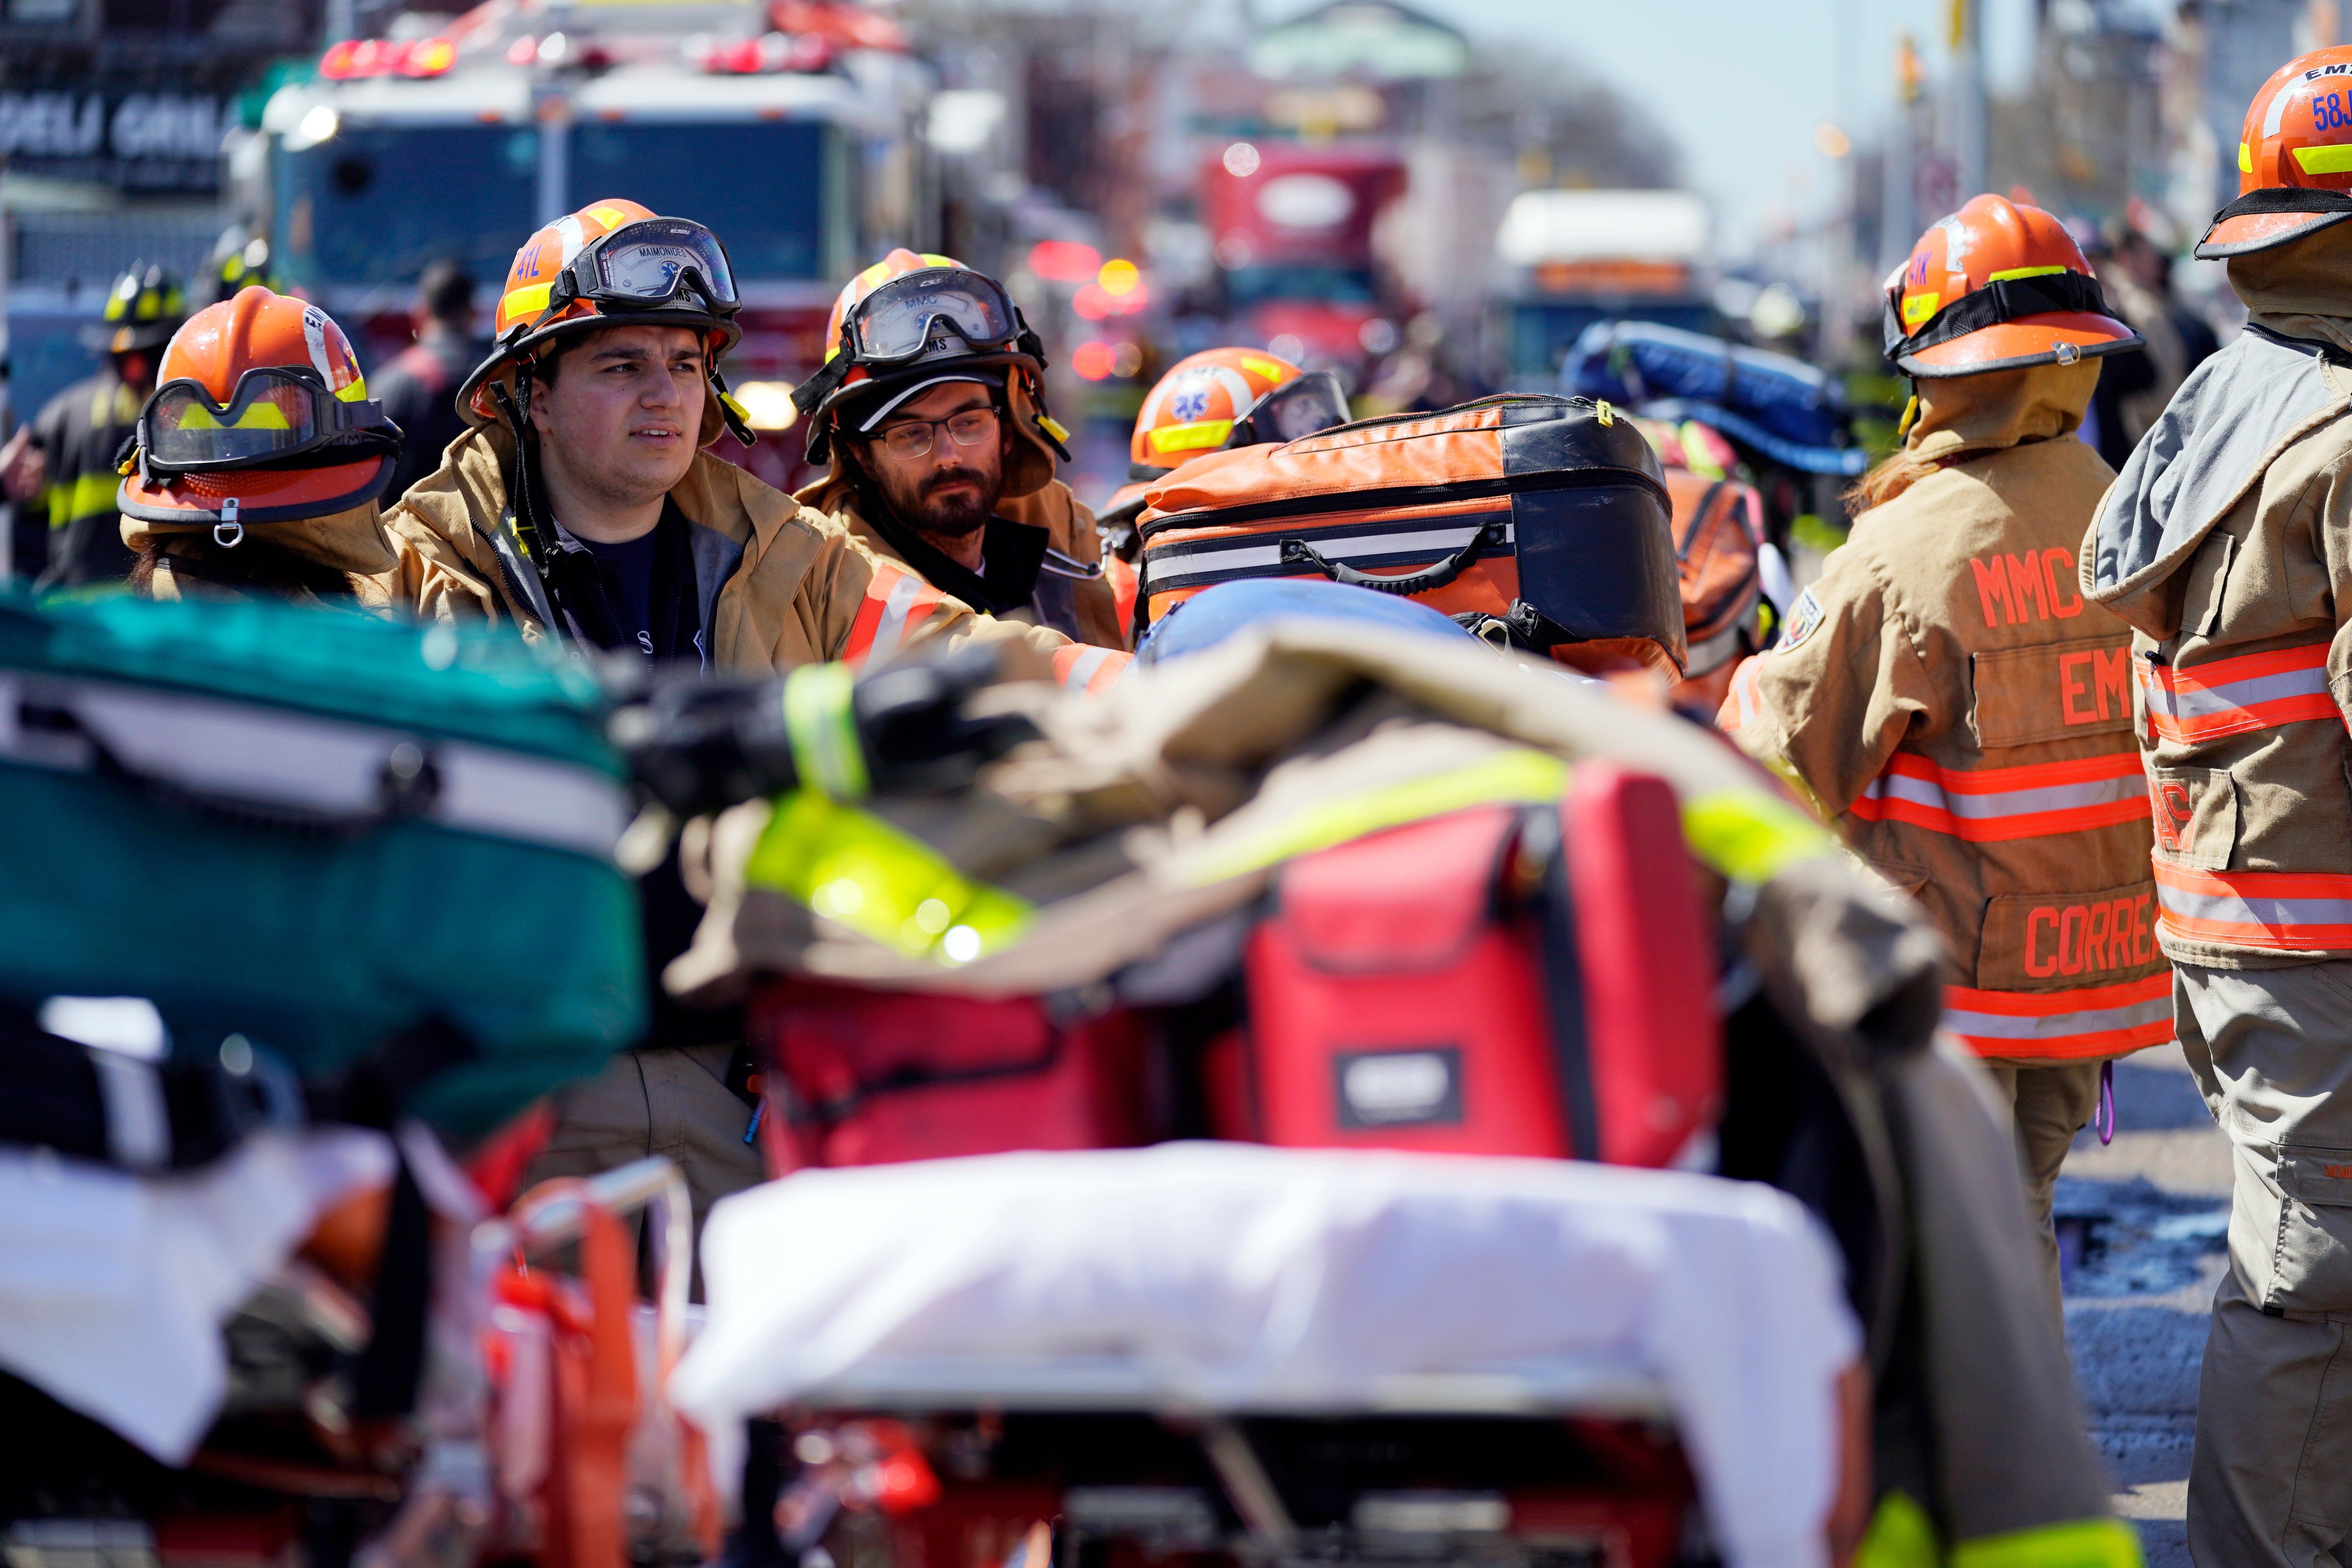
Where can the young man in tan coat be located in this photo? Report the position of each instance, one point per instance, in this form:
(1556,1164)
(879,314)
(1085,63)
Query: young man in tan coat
(582,509)
(2227,545)
(1949,698)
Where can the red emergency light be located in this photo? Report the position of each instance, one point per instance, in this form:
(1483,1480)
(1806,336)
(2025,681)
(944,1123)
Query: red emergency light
(1065,260)
(767,53)
(386,57)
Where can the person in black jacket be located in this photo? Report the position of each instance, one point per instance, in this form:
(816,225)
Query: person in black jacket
(419,388)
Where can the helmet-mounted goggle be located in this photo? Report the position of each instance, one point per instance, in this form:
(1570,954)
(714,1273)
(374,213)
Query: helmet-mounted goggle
(652,264)
(950,311)
(1302,406)
(277,415)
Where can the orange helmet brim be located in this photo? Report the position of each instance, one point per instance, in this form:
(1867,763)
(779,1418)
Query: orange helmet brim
(2029,340)
(263,495)
(2249,232)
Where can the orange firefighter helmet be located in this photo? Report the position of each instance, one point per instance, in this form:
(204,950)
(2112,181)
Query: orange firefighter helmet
(1996,286)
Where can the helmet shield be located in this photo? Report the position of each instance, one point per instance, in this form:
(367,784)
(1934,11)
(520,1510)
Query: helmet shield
(1588,577)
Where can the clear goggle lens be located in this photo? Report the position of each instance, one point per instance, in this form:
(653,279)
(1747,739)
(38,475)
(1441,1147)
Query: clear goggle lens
(896,320)
(1298,409)
(273,414)
(648,260)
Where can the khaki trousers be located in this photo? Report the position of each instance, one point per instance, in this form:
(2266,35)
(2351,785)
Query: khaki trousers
(2269,1481)
(668,1099)
(2048,1103)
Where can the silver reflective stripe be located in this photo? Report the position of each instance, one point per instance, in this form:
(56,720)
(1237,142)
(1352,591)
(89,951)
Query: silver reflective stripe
(2058,1025)
(2256,909)
(271,758)
(138,1129)
(510,795)
(1709,654)
(895,610)
(2201,702)
(2004,803)
(1083,667)
(1173,567)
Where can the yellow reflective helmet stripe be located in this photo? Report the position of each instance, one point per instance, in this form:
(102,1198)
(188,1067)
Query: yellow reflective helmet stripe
(1751,837)
(2076,1544)
(2023,272)
(1917,308)
(526,300)
(1192,438)
(2331,160)
(855,869)
(1523,777)
(824,732)
(2246,159)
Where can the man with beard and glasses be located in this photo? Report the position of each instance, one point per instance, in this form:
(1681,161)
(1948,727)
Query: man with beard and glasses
(930,392)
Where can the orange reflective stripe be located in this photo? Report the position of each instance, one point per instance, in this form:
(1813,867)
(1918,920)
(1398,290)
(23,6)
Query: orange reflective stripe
(2231,696)
(1987,806)
(897,603)
(2288,911)
(2097,1021)
(1079,668)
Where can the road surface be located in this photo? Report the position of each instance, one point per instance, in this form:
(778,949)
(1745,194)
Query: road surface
(2141,1225)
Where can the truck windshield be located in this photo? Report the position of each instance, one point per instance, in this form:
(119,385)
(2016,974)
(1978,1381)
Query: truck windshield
(373,204)
(760,187)
(1249,286)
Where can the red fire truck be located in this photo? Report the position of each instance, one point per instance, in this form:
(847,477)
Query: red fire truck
(1293,227)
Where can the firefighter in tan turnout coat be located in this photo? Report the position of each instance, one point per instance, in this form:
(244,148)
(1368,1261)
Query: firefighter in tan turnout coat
(2227,544)
(1949,697)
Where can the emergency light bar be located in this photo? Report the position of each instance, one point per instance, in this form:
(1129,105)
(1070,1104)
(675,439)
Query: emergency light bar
(386,56)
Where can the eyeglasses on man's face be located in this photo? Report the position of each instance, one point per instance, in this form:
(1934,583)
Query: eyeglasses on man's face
(915,438)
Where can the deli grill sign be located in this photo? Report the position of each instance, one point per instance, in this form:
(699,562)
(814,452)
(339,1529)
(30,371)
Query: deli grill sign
(132,139)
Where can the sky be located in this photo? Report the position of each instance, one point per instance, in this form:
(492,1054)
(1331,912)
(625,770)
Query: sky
(1741,85)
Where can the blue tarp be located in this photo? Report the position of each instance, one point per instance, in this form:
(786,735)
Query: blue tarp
(1783,407)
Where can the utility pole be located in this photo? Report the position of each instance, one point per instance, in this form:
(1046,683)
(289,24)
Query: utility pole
(1970,131)
(1898,222)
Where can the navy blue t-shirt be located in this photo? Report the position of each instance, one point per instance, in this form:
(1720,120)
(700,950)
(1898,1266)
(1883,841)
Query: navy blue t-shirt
(630,567)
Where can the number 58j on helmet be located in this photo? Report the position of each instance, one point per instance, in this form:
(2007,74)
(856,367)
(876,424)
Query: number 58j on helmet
(2295,159)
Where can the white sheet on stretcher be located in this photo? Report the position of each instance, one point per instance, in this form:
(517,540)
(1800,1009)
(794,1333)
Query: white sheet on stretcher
(113,1286)
(1238,1278)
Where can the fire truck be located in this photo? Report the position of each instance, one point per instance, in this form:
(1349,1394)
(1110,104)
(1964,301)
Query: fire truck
(1293,227)
(787,126)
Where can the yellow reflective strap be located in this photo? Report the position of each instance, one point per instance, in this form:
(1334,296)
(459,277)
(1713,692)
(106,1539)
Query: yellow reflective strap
(1520,777)
(1751,837)
(2335,160)
(855,869)
(2076,1543)
(1900,1536)
(824,732)
(2022,273)
(1192,438)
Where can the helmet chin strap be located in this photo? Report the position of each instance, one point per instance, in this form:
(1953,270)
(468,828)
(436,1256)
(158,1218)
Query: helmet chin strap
(730,413)
(515,408)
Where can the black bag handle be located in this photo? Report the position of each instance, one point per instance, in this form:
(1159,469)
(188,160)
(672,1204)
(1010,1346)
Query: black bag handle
(1297,550)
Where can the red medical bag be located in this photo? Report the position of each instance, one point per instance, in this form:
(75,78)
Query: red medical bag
(871,1078)
(1499,981)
